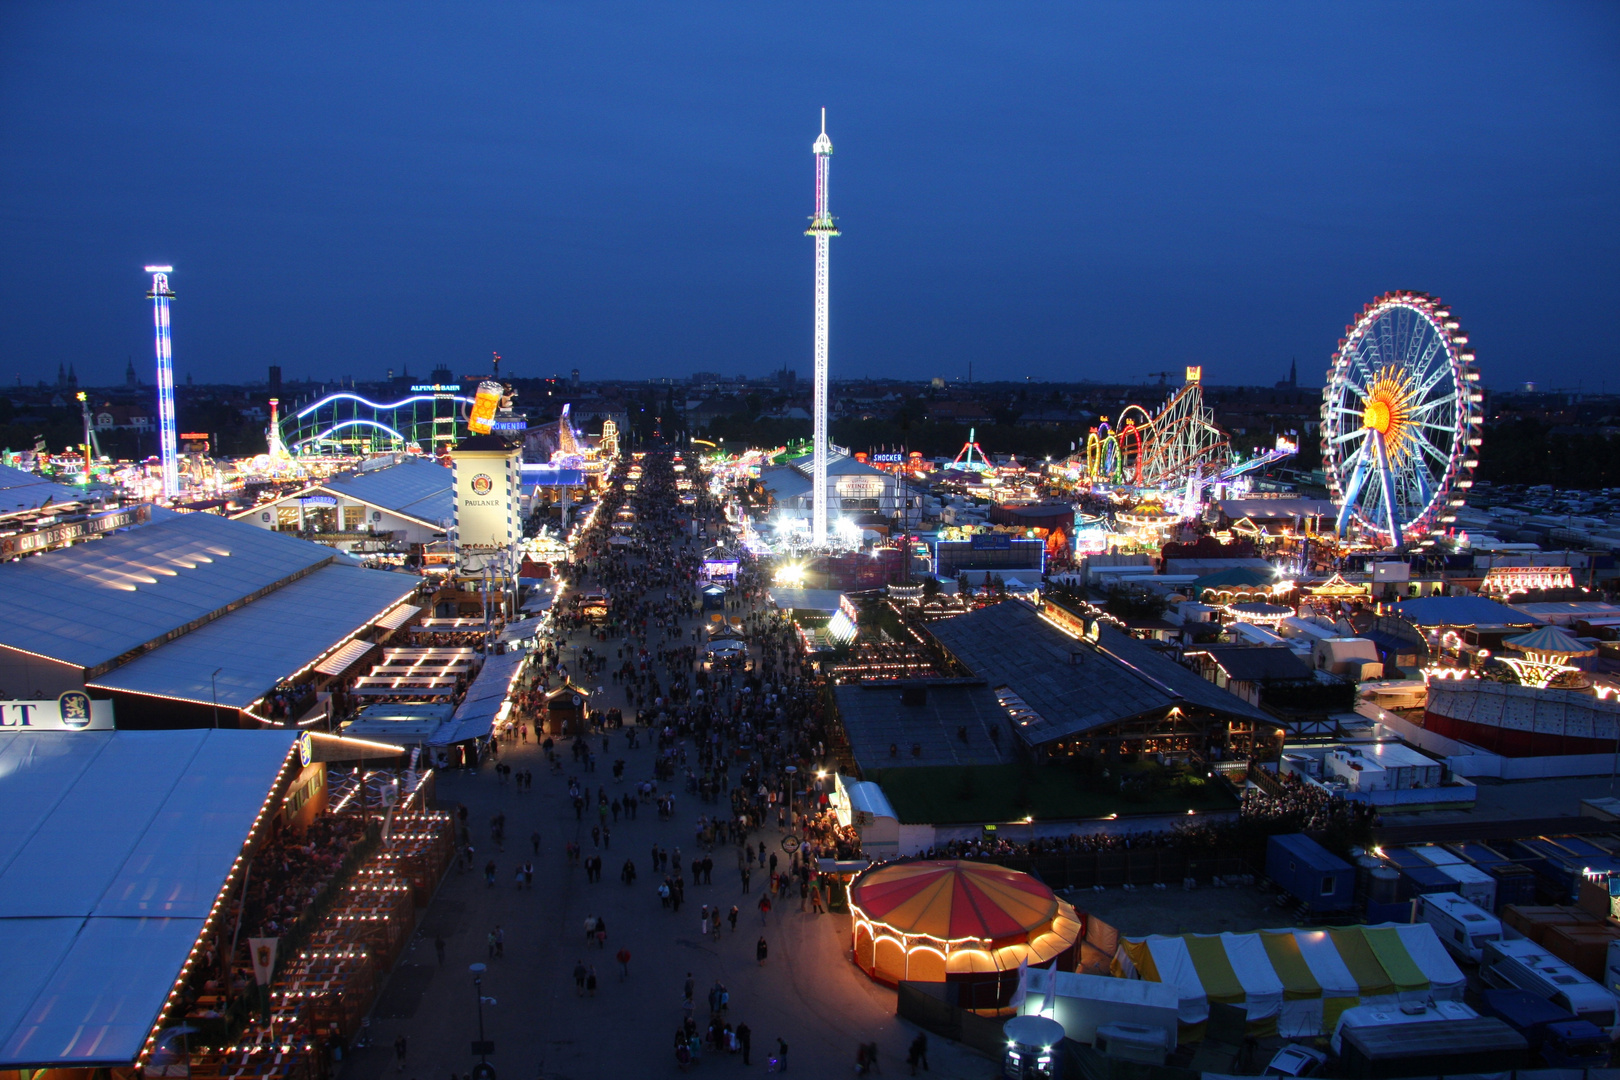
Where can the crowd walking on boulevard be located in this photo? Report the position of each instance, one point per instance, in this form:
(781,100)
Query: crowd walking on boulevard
(693,776)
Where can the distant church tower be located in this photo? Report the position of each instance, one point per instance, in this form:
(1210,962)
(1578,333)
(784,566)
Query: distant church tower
(1293,373)
(129,374)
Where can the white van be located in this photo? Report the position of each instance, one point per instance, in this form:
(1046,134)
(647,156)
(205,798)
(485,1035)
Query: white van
(1523,964)
(1462,927)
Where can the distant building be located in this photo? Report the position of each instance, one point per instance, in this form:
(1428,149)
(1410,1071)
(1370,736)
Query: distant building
(122,418)
(854,489)
(1067,686)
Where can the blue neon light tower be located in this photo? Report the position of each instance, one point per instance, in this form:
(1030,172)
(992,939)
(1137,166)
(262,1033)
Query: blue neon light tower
(168,437)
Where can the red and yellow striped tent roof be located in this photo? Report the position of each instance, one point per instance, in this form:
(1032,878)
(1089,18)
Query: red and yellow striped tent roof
(952,900)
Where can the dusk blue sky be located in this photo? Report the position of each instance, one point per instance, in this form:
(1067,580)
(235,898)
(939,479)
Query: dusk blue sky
(1063,191)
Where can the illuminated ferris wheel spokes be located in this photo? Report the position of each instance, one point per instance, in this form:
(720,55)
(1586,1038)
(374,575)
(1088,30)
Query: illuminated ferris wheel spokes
(1399,417)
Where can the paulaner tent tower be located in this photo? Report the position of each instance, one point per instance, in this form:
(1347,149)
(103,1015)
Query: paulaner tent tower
(823,229)
(168,439)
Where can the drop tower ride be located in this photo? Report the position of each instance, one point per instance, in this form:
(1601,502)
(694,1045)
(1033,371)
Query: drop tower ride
(168,437)
(823,229)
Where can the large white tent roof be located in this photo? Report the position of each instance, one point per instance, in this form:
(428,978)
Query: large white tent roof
(116,846)
(475,716)
(416,487)
(90,604)
(258,645)
(21,490)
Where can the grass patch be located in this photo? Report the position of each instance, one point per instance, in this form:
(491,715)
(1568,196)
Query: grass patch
(954,794)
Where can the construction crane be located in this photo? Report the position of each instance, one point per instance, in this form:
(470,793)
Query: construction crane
(1162,375)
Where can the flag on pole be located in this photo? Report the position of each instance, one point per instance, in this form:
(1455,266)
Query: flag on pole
(263,952)
(1023,984)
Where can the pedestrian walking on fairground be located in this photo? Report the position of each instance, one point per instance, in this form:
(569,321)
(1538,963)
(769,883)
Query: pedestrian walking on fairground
(623,957)
(590,982)
(761,950)
(580,971)
(401,1046)
(872,1058)
(764,908)
(781,1054)
(489,942)
(731,917)
(500,942)
(918,1054)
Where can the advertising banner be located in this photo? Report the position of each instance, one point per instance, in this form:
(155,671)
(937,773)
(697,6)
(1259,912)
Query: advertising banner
(72,711)
(486,499)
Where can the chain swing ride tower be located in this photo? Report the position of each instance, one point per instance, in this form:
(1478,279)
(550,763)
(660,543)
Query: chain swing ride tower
(823,229)
(168,437)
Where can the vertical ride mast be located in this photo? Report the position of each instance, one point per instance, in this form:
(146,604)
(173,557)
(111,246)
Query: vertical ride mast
(823,229)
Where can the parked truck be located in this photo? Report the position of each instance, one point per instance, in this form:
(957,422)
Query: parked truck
(1522,964)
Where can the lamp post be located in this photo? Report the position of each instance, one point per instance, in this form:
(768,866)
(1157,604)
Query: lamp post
(484,1070)
(213,686)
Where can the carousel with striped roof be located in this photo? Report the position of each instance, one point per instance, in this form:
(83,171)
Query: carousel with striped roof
(967,923)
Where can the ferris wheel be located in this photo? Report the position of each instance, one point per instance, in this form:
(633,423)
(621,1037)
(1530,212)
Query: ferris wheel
(1401,419)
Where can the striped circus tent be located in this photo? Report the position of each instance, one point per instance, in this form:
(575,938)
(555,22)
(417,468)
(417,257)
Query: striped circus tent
(1294,983)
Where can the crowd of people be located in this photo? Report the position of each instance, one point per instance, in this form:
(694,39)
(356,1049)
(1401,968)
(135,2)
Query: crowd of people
(291,871)
(1295,806)
(737,737)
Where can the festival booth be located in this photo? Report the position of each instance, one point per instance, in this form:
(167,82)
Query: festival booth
(1294,983)
(719,564)
(862,804)
(566,710)
(966,924)
(1082,1003)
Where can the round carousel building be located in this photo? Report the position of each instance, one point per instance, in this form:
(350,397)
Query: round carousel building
(952,921)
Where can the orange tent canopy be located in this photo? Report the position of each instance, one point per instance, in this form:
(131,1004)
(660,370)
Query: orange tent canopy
(953,900)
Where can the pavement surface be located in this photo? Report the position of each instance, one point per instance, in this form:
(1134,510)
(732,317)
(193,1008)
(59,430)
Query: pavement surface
(1204,910)
(1498,800)
(807,992)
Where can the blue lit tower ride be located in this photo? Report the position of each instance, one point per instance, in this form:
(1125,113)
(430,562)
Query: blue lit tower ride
(823,229)
(168,438)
